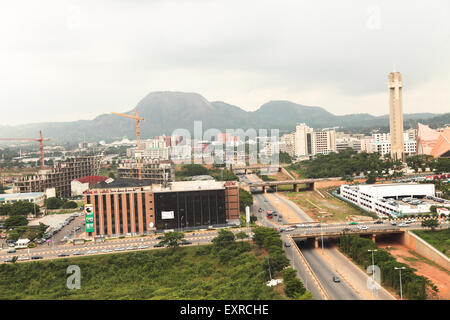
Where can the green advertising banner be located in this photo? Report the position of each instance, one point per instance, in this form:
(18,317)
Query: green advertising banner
(89,216)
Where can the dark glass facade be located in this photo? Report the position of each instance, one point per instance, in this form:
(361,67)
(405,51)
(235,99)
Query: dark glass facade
(191,209)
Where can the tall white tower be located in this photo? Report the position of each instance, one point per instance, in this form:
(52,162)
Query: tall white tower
(396,116)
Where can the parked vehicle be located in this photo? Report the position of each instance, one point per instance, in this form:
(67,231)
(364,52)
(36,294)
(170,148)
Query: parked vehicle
(336,279)
(287,244)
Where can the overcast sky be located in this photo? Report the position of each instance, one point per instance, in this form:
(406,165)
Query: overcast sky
(69,60)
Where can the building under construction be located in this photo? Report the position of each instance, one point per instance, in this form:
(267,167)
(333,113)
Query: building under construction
(158,172)
(60,176)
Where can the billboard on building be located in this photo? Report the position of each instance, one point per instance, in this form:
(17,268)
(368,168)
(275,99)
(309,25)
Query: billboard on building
(167,215)
(89,216)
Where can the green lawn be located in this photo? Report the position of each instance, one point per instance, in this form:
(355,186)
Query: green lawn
(196,272)
(440,239)
(335,209)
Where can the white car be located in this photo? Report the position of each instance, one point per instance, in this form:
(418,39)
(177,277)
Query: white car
(362,227)
(119,249)
(403,224)
(142,247)
(23,258)
(289,229)
(301,225)
(131,248)
(412,220)
(92,251)
(106,250)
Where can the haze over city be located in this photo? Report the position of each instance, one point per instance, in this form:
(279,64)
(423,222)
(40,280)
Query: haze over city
(64,61)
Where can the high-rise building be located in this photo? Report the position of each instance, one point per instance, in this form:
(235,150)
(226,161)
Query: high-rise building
(396,115)
(302,146)
(323,142)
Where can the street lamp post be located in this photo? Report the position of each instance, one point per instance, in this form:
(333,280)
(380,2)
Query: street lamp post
(400,270)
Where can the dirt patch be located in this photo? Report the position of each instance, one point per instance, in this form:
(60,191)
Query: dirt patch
(439,276)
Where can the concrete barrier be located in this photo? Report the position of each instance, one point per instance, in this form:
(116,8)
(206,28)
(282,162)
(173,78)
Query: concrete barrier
(417,244)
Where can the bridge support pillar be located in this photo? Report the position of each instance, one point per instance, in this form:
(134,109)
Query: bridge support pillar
(316,242)
(245,171)
(264,189)
(296,187)
(373,237)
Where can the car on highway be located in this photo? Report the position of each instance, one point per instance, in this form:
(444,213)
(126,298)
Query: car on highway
(63,254)
(362,227)
(78,253)
(131,248)
(158,245)
(378,222)
(393,223)
(37,257)
(23,258)
(336,279)
(92,251)
(353,223)
(412,220)
(289,229)
(106,250)
(159,237)
(185,242)
(301,225)
(119,249)
(11,251)
(317,225)
(403,224)
(8,260)
(346,229)
(143,247)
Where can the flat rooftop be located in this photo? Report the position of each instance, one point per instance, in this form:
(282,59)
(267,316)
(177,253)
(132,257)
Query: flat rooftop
(20,195)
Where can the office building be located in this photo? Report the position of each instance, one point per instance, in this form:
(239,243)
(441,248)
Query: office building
(394,199)
(136,207)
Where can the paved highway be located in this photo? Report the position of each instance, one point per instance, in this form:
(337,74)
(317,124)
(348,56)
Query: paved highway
(109,246)
(332,263)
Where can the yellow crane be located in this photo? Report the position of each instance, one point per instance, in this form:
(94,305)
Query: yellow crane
(138,135)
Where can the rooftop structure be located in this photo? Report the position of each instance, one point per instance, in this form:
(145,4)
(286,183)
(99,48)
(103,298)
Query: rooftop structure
(35,197)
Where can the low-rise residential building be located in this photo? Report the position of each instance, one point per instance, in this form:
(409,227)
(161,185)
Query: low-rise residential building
(35,197)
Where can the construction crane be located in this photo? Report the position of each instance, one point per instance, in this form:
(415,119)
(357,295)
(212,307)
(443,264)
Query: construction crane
(138,136)
(41,140)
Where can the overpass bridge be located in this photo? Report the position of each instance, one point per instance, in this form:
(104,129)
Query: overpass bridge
(310,183)
(315,231)
(259,167)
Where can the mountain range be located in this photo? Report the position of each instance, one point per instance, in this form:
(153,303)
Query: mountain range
(166,111)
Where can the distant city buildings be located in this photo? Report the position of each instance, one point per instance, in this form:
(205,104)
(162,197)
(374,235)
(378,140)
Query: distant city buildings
(381,143)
